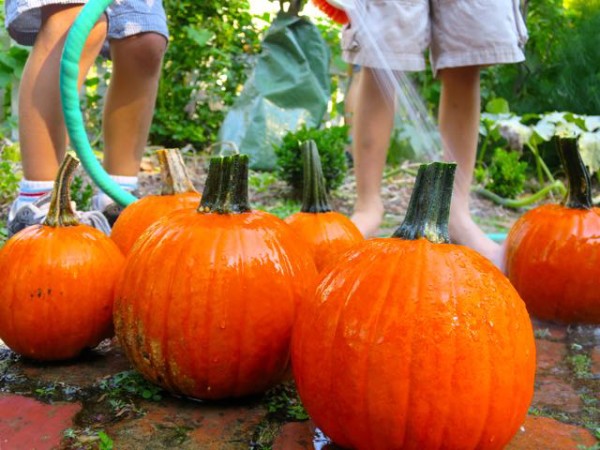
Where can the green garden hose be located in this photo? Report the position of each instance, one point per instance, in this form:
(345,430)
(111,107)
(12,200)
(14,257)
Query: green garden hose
(69,92)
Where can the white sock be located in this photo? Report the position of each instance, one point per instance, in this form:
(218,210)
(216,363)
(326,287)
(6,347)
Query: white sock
(101,200)
(31,191)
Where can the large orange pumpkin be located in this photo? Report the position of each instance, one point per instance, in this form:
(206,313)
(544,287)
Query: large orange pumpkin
(412,342)
(57,282)
(553,251)
(178,192)
(207,301)
(328,233)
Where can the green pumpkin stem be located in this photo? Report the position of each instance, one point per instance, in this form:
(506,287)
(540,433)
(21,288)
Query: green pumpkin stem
(579,194)
(429,207)
(61,212)
(175,178)
(226,188)
(314,198)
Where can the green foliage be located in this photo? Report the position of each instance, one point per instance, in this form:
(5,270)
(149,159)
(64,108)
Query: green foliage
(130,383)
(284,404)
(507,174)
(331,143)
(562,66)
(81,193)
(261,181)
(210,52)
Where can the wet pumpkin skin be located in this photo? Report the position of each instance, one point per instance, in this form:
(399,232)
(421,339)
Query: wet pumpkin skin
(207,301)
(328,234)
(411,342)
(57,284)
(553,260)
(138,216)
(177,193)
(442,350)
(553,251)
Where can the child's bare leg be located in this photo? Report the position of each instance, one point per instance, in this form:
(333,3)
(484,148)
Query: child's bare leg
(459,126)
(130,100)
(372,127)
(42,134)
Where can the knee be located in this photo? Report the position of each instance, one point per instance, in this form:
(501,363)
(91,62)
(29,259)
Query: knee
(143,53)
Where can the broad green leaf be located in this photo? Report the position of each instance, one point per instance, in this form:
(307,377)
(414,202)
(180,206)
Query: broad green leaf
(200,36)
(497,106)
(589,148)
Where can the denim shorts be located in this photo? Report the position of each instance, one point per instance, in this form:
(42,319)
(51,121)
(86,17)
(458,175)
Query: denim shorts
(125,18)
(394,34)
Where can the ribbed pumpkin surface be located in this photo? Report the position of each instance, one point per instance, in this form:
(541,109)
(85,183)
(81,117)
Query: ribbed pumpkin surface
(328,234)
(553,260)
(207,301)
(414,345)
(56,290)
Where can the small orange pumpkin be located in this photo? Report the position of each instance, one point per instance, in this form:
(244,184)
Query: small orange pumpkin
(412,342)
(207,300)
(178,192)
(328,233)
(553,251)
(57,282)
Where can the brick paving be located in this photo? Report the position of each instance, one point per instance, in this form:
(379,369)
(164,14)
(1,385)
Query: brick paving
(97,401)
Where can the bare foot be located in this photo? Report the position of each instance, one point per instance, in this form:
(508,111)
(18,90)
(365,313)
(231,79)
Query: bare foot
(368,219)
(464,231)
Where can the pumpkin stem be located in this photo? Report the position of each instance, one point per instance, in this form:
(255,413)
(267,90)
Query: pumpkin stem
(61,212)
(429,207)
(579,194)
(175,178)
(314,193)
(226,188)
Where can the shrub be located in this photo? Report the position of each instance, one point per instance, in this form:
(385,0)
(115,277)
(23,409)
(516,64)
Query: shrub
(506,174)
(331,143)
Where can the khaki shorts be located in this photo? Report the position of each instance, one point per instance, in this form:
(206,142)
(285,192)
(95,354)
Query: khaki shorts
(457,33)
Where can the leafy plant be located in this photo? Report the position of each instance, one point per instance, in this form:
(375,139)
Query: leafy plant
(130,383)
(81,193)
(331,143)
(507,174)
(210,52)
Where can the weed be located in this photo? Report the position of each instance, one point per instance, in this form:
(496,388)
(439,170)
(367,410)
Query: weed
(580,364)
(106,442)
(542,333)
(261,181)
(130,383)
(283,402)
(282,208)
(81,193)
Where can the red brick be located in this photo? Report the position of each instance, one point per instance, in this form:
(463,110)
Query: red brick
(553,392)
(197,425)
(595,355)
(555,332)
(550,356)
(295,436)
(543,433)
(27,424)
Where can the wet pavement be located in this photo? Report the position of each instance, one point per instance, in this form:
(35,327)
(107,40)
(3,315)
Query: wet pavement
(99,402)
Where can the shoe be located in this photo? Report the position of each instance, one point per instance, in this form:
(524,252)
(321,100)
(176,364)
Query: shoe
(111,211)
(35,213)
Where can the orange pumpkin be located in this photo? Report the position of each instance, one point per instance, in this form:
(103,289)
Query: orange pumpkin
(328,233)
(553,251)
(207,301)
(57,282)
(178,192)
(412,342)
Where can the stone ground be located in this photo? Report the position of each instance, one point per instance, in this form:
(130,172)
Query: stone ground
(99,402)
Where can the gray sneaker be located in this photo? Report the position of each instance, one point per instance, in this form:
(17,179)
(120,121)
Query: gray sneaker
(35,213)
(112,211)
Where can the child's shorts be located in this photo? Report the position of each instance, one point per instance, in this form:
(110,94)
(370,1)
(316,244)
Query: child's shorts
(125,18)
(457,32)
